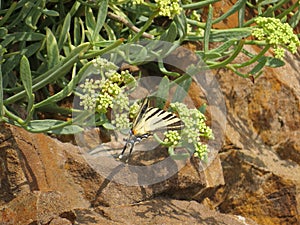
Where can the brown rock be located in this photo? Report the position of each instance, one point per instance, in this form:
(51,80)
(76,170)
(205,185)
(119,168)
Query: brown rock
(166,211)
(263,118)
(60,221)
(48,182)
(263,188)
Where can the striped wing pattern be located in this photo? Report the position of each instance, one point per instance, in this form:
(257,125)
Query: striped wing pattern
(155,119)
(148,121)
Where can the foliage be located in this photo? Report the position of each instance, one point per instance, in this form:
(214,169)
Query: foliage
(46,47)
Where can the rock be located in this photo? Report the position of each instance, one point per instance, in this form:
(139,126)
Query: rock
(60,221)
(263,188)
(260,158)
(35,207)
(109,190)
(167,211)
(35,162)
(48,182)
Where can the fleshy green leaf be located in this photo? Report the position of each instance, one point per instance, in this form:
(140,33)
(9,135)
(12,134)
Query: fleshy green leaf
(274,62)
(162,91)
(109,126)
(64,31)
(181,24)
(34,14)
(202,108)
(50,12)
(259,66)
(25,74)
(90,23)
(102,12)
(3,32)
(70,129)
(53,126)
(170,34)
(52,49)
(26,78)
(207,29)
(179,156)
(182,90)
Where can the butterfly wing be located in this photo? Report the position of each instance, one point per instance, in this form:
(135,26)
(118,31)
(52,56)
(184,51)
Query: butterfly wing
(149,120)
(141,112)
(155,119)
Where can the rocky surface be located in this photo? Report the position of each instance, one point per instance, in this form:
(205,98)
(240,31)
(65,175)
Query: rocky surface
(260,157)
(255,175)
(254,178)
(44,181)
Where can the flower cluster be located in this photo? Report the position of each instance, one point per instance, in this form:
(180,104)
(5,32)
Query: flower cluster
(121,121)
(133,111)
(172,137)
(107,90)
(137,2)
(169,8)
(277,34)
(194,128)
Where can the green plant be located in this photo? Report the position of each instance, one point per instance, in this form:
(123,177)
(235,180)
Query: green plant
(46,47)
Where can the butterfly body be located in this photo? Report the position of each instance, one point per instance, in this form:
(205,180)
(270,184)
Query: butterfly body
(148,121)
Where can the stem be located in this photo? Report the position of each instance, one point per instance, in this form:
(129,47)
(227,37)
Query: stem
(196,23)
(129,25)
(144,28)
(230,58)
(197,5)
(237,72)
(252,60)
(287,11)
(13,116)
(179,79)
(94,54)
(266,13)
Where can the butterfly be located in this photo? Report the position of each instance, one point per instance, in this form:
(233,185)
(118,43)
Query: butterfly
(150,120)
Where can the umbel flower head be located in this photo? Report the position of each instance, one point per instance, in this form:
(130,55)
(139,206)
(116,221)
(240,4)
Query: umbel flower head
(169,8)
(279,35)
(194,129)
(106,90)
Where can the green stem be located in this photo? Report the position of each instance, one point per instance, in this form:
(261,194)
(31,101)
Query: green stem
(94,54)
(274,8)
(230,58)
(144,28)
(66,91)
(236,72)
(13,116)
(196,23)
(180,79)
(252,60)
(197,5)
(266,13)
(287,11)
